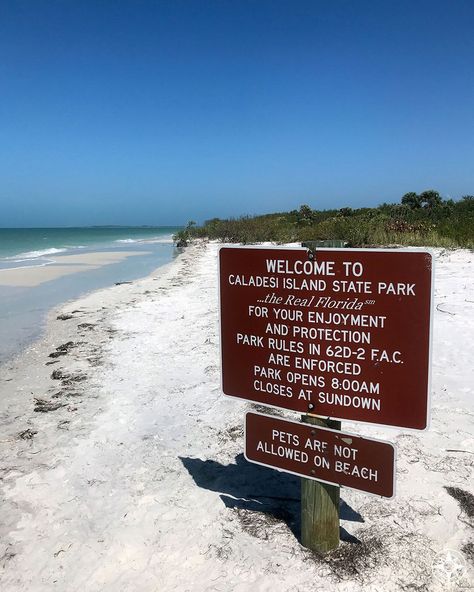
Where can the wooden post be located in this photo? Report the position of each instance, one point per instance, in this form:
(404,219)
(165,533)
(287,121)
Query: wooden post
(319,501)
(320,505)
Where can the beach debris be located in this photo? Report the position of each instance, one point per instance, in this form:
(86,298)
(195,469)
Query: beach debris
(72,378)
(121,283)
(63,349)
(95,360)
(88,326)
(58,375)
(92,482)
(260,524)
(28,434)
(64,317)
(66,378)
(44,406)
(72,394)
(62,550)
(453,314)
(66,393)
(64,424)
(458,450)
(465,501)
(232,434)
(7,556)
(51,362)
(468,550)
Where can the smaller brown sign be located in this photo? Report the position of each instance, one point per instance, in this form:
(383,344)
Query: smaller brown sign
(321,454)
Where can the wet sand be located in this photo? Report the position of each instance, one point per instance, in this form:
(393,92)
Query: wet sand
(62,266)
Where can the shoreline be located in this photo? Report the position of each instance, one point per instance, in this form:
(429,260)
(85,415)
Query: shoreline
(63,265)
(32,292)
(137,481)
(51,328)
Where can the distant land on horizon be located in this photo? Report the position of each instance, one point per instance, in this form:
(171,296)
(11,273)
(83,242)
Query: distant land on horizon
(92,226)
(243,214)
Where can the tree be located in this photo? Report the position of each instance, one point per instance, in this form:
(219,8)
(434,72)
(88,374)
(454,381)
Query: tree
(305,215)
(182,237)
(345,212)
(430,199)
(412,200)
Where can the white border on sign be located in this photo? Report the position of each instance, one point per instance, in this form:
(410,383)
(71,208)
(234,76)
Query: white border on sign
(345,419)
(341,433)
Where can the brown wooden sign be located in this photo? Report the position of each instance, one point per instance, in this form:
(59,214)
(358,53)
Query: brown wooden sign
(345,334)
(320,453)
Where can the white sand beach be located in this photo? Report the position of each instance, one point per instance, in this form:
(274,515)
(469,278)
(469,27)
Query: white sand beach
(122,470)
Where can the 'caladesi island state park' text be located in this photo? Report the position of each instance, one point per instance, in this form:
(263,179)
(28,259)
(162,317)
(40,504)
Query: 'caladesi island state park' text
(326,333)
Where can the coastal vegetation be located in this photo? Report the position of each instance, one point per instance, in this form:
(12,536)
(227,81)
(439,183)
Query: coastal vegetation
(424,219)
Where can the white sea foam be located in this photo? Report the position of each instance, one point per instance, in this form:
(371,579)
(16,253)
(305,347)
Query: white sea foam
(167,239)
(41,253)
(36,254)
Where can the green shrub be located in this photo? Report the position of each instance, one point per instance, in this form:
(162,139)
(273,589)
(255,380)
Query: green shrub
(420,220)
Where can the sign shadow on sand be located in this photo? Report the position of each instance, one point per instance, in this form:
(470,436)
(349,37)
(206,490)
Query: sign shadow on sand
(246,486)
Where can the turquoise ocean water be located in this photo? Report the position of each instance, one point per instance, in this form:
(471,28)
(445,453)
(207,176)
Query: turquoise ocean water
(36,246)
(23,309)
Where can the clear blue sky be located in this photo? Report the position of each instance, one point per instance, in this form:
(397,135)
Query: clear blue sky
(115,112)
